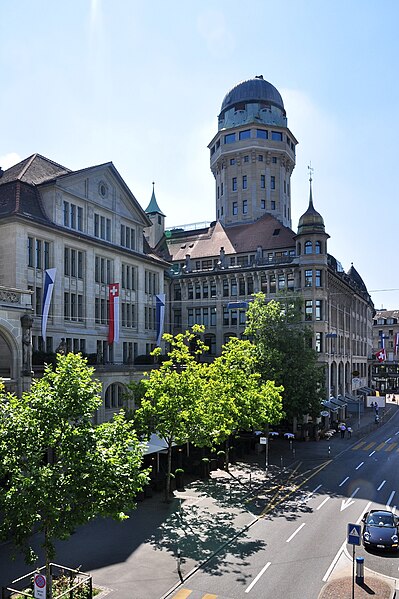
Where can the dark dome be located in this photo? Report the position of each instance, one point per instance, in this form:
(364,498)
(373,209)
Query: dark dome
(354,275)
(253,90)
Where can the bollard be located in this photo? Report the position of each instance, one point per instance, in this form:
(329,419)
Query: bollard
(360,570)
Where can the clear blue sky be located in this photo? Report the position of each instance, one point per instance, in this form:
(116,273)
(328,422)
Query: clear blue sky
(141,83)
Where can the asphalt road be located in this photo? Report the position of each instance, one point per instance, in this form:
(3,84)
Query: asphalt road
(303,528)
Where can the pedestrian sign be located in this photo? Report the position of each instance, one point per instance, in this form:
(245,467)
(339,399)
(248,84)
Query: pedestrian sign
(354,534)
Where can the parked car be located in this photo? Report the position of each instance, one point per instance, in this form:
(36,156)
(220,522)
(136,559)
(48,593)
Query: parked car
(380,530)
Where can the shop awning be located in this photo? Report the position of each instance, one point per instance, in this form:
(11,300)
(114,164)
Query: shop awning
(330,406)
(154,445)
(338,401)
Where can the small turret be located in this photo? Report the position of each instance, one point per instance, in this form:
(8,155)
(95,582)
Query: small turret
(155,233)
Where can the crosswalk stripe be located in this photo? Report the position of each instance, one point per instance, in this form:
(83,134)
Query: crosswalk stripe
(369,446)
(209,596)
(380,446)
(390,446)
(182,594)
(358,446)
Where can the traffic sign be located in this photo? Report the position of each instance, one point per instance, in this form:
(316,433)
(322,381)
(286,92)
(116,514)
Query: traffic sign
(39,586)
(354,531)
(263,440)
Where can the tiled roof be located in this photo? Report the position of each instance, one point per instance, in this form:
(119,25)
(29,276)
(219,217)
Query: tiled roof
(35,169)
(267,233)
(23,199)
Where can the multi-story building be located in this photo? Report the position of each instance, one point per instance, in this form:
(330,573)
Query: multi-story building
(386,364)
(87,225)
(251,246)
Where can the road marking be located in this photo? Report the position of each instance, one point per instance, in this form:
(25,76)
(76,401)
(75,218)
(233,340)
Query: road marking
(182,594)
(397,433)
(344,481)
(359,445)
(340,550)
(347,502)
(360,465)
(255,580)
(372,453)
(388,440)
(369,446)
(296,532)
(322,503)
(390,447)
(316,489)
(380,446)
(381,485)
(310,495)
(390,499)
(209,596)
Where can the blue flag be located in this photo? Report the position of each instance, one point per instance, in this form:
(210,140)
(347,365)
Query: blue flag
(49,278)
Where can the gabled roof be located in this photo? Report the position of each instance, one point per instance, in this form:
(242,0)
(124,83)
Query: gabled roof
(34,170)
(267,233)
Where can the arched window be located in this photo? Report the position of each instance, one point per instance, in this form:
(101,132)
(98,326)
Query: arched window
(308,247)
(114,396)
(317,247)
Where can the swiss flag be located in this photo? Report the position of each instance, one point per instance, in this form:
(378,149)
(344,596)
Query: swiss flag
(381,355)
(113,331)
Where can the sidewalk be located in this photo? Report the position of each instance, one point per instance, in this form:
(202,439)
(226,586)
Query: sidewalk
(139,557)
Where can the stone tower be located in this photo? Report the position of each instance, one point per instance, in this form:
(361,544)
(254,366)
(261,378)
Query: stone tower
(252,155)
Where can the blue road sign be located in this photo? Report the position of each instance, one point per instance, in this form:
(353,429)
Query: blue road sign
(354,534)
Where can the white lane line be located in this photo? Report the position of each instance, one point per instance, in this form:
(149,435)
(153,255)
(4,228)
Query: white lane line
(372,453)
(344,481)
(340,550)
(390,499)
(255,580)
(310,495)
(394,510)
(397,433)
(381,485)
(322,503)
(294,533)
(387,441)
(316,489)
(360,465)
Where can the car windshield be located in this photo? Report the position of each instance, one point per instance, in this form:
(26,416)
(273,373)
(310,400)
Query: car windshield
(377,519)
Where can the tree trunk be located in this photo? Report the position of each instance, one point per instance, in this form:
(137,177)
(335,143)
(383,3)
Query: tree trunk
(226,464)
(169,469)
(49,580)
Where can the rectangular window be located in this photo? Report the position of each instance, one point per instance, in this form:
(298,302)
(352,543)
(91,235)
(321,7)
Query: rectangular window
(205,290)
(177,293)
(225,288)
(66,214)
(318,278)
(213,317)
(318,310)
(233,287)
(246,158)
(261,134)
(221,188)
(281,282)
(213,289)
(38,253)
(245,134)
(318,342)
(308,278)
(262,181)
(277,136)
(272,182)
(30,252)
(263,204)
(308,310)
(73,216)
(244,182)
(80,219)
(245,207)
(226,320)
(272,283)
(234,184)
(190,317)
(46,254)
(96,225)
(273,205)
(232,161)
(260,157)
(235,208)
(274,160)
(229,138)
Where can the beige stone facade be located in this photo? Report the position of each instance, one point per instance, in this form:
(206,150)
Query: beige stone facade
(89,227)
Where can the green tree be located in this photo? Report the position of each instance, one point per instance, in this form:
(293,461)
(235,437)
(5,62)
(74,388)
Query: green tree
(57,469)
(172,391)
(285,354)
(234,397)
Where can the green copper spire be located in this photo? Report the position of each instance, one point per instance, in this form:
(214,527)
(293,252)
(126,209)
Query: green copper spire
(153,207)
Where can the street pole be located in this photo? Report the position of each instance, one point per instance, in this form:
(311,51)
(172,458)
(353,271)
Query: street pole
(353,573)
(267,455)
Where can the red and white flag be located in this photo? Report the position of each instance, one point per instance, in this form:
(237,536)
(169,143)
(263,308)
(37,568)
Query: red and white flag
(381,355)
(113,332)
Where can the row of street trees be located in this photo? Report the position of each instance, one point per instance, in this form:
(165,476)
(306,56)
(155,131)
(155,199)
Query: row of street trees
(58,470)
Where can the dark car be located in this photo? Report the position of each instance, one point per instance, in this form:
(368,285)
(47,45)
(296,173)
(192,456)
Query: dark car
(380,530)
